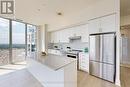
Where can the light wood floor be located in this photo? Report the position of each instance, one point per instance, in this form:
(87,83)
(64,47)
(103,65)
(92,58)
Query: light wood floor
(22,78)
(86,80)
(125,77)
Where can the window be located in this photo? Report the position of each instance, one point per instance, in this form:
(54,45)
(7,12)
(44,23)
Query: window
(16,40)
(4,41)
(31,40)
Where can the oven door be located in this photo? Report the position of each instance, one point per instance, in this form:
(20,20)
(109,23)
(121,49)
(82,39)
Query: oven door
(76,57)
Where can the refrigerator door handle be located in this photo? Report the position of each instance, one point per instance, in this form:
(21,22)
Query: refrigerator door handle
(101,48)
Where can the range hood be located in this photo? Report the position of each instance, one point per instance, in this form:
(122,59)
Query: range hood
(75,38)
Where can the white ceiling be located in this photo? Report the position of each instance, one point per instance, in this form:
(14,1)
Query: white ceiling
(44,11)
(125,7)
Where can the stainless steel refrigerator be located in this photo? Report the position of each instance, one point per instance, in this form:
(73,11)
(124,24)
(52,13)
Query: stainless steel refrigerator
(102,49)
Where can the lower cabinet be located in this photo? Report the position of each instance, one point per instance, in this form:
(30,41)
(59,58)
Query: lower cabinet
(84,62)
(55,52)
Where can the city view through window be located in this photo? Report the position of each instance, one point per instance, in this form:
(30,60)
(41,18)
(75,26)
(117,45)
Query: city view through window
(16,42)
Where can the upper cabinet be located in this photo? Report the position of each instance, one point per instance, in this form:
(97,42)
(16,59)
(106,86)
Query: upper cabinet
(94,26)
(64,35)
(103,24)
(108,23)
(84,33)
(52,35)
(64,38)
(55,37)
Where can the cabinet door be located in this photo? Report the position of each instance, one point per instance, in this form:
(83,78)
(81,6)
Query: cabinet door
(84,33)
(77,31)
(94,26)
(55,37)
(52,37)
(58,36)
(64,37)
(49,51)
(84,62)
(108,23)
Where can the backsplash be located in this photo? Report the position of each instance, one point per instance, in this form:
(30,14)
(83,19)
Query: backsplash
(76,45)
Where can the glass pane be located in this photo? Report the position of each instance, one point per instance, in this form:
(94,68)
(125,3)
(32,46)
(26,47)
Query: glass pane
(4,41)
(31,40)
(18,42)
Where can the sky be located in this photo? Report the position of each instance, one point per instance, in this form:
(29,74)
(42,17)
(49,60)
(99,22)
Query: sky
(18,32)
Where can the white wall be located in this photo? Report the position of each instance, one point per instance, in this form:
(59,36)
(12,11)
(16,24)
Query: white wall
(125,20)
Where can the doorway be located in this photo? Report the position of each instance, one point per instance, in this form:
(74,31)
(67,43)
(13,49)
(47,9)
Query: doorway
(125,43)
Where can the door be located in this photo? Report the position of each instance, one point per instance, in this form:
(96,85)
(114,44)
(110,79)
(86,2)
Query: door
(108,48)
(95,48)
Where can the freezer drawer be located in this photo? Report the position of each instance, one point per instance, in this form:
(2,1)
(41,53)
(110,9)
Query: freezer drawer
(103,71)
(108,72)
(96,69)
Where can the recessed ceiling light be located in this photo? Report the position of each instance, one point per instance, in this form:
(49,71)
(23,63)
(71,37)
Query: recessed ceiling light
(59,13)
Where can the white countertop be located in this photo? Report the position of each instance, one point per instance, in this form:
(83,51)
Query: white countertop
(54,62)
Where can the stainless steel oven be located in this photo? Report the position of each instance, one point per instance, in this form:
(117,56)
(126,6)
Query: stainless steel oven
(74,54)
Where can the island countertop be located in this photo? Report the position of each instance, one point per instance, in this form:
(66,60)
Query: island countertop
(54,62)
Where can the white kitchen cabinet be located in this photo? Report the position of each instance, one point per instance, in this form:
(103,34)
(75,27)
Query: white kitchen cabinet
(64,35)
(103,24)
(55,37)
(108,23)
(84,61)
(52,34)
(55,52)
(76,31)
(58,36)
(81,30)
(94,26)
(84,33)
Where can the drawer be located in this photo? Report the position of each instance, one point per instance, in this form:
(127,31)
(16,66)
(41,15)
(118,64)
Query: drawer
(83,67)
(83,62)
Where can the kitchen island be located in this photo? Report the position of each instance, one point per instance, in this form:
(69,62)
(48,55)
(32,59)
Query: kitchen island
(54,71)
